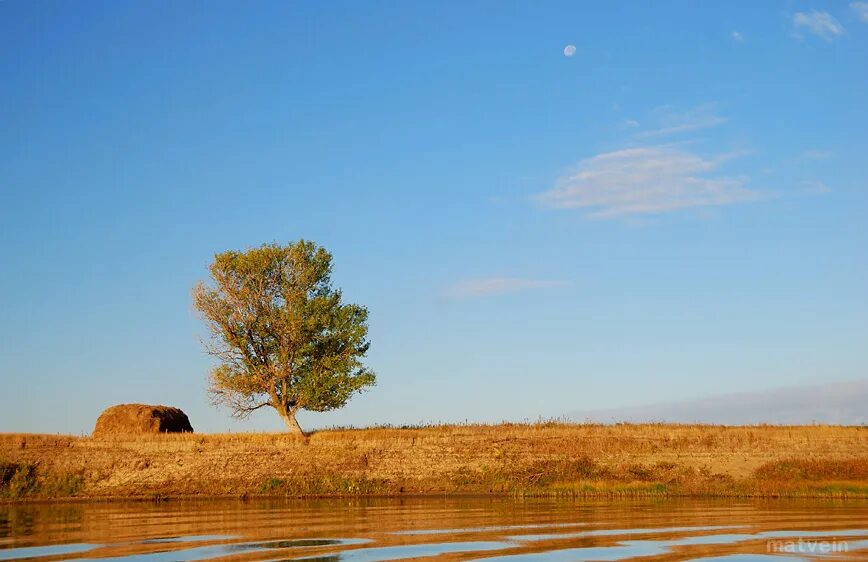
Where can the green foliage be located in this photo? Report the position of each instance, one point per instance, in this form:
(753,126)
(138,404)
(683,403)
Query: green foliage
(326,484)
(17,480)
(282,335)
(22,480)
(64,485)
(271,486)
(7,471)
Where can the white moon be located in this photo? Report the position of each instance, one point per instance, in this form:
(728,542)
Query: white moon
(569,50)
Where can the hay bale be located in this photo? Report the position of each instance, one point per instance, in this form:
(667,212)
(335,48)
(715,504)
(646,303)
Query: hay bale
(131,419)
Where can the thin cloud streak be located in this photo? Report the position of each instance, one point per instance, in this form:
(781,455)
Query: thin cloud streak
(674,123)
(815,187)
(816,154)
(834,403)
(472,288)
(861,9)
(647,180)
(821,24)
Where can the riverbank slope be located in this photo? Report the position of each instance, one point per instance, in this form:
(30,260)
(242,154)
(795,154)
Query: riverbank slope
(513,459)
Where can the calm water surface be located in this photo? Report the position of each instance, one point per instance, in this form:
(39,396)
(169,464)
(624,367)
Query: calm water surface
(445,529)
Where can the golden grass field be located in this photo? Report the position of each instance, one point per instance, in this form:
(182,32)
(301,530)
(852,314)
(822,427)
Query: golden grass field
(508,459)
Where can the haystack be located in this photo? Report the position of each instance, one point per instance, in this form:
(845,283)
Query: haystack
(131,419)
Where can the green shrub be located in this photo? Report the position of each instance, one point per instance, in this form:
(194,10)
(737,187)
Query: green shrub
(64,485)
(23,481)
(271,486)
(7,471)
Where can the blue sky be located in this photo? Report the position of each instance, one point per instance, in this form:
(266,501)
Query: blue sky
(677,210)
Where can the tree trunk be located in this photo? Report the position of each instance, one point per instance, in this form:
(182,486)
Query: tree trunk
(292,423)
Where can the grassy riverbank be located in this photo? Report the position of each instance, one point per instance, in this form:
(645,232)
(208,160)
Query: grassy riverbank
(537,459)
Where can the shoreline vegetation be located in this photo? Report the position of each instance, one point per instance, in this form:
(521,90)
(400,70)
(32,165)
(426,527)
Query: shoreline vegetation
(546,459)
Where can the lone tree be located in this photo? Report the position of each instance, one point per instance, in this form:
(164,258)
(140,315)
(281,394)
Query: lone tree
(281,333)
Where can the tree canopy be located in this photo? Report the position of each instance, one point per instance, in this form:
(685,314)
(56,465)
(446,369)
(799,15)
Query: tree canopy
(281,334)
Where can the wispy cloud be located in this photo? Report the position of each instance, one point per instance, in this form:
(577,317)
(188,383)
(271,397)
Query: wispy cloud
(821,24)
(737,36)
(814,187)
(817,154)
(497,286)
(837,403)
(673,122)
(647,180)
(861,9)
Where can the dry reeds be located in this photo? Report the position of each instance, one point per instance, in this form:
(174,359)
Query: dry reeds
(548,458)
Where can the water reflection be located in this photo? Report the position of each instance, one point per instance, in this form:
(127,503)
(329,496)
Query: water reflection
(449,529)
(295,543)
(7,553)
(409,551)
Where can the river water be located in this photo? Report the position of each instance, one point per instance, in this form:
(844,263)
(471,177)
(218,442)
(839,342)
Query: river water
(363,530)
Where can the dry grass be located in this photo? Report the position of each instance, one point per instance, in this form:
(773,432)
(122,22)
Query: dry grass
(525,459)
